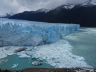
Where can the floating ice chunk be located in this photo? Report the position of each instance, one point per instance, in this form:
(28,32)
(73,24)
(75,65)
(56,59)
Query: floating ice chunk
(22,55)
(10,50)
(14,66)
(36,63)
(2,53)
(3,61)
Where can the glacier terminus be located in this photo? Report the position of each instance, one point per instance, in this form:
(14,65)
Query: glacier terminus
(27,33)
(40,40)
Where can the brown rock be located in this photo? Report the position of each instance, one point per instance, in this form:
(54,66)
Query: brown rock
(19,50)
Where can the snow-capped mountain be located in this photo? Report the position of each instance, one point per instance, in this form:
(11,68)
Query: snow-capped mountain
(42,10)
(70,6)
(81,13)
(88,3)
(66,6)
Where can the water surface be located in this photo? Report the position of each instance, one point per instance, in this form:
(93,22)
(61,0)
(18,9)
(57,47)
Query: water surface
(84,44)
(22,63)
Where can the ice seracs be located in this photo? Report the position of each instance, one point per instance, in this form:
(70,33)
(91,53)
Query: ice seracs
(27,33)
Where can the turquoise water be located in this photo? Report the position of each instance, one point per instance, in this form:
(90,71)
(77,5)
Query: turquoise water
(84,44)
(22,63)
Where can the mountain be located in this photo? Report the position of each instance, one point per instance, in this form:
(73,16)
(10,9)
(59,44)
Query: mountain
(83,14)
(42,10)
(7,15)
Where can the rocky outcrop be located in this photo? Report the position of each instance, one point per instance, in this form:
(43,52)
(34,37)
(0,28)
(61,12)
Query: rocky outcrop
(52,70)
(19,50)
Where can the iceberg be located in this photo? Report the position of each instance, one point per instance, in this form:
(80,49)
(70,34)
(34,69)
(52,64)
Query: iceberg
(15,65)
(29,33)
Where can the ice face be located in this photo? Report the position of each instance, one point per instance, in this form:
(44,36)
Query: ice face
(22,33)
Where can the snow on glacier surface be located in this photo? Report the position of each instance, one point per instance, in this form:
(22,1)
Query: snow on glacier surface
(22,33)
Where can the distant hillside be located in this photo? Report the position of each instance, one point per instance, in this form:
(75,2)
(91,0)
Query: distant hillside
(7,15)
(85,15)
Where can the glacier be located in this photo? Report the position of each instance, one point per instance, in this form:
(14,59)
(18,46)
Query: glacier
(28,33)
(44,41)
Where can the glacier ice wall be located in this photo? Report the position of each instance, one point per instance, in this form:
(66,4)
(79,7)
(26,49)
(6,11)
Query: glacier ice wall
(27,33)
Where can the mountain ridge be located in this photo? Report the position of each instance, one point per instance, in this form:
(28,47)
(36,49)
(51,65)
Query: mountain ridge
(7,15)
(83,14)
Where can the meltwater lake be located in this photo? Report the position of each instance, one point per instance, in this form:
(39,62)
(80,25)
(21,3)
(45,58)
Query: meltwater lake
(21,63)
(83,44)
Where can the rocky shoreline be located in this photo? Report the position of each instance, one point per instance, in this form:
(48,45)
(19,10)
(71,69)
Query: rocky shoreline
(53,70)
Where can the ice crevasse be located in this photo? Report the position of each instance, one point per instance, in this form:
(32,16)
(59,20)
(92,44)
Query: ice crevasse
(30,33)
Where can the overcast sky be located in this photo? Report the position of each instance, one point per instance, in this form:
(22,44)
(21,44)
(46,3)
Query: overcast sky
(16,6)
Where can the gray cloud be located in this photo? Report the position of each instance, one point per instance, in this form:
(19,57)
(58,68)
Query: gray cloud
(16,6)
(7,6)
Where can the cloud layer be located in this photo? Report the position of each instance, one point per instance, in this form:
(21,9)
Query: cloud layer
(15,6)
